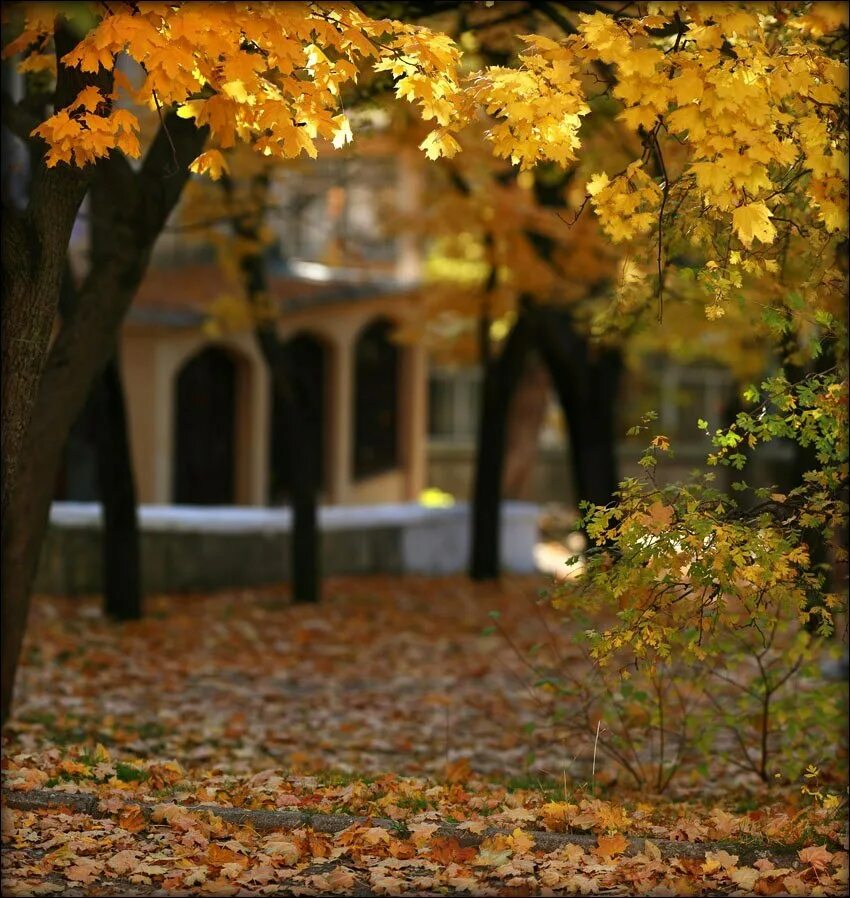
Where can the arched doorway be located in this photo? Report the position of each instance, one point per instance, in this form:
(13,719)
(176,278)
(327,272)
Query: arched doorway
(204,470)
(77,479)
(307,359)
(376,400)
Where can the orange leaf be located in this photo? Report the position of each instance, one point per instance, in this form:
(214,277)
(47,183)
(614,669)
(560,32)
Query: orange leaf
(816,856)
(132,819)
(608,846)
(218,856)
(449,851)
(458,771)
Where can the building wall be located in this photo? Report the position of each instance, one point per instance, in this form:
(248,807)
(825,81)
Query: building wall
(680,394)
(153,356)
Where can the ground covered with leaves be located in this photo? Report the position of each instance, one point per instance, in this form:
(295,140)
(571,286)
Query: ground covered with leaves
(381,743)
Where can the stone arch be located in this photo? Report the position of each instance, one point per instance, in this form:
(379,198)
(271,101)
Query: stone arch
(310,353)
(376,413)
(209,457)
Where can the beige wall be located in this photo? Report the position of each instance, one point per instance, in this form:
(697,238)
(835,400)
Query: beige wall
(152,358)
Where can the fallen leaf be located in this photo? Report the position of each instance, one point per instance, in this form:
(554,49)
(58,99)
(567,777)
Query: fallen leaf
(719,860)
(84,870)
(123,861)
(445,851)
(132,819)
(421,833)
(815,856)
(745,877)
(610,846)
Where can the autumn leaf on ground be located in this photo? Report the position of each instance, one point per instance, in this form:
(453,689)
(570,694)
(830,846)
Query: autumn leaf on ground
(610,846)
(445,851)
(520,841)
(282,850)
(651,850)
(557,814)
(490,857)
(84,870)
(340,880)
(123,861)
(132,819)
(745,877)
(218,856)
(473,826)
(719,860)
(458,771)
(421,833)
(815,856)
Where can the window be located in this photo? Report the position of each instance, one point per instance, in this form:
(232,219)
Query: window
(337,208)
(205,430)
(690,392)
(454,402)
(376,413)
(77,480)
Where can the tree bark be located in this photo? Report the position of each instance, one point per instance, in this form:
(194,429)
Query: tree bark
(33,250)
(105,415)
(526,416)
(501,376)
(288,383)
(122,595)
(303,473)
(131,210)
(586,379)
(33,258)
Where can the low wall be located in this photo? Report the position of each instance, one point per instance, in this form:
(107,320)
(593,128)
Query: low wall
(187,548)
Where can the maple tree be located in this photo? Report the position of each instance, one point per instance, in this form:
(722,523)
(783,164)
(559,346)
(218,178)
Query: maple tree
(680,199)
(508,277)
(742,116)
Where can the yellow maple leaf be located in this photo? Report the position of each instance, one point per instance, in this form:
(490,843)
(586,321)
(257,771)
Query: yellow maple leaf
(597,183)
(719,860)
(88,98)
(520,841)
(439,143)
(211,162)
(745,877)
(753,221)
(688,87)
(342,134)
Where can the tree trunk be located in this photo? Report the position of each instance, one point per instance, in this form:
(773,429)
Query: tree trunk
(34,244)
(33,250)
(106,416)
(303,473)
(122,598)
(288,383)
(501,376)
(526,416)
(132,208)
(586,379)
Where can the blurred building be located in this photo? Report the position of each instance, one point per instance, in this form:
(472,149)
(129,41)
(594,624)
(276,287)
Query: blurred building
(205,427)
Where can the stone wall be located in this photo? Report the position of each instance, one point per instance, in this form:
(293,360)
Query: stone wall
(191,548)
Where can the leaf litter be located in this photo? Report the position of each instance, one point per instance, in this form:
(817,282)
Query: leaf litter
(386,702)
